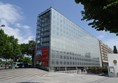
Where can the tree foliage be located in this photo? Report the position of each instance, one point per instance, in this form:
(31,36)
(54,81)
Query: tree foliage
(24,48)
(2,40)
(103,14)
(25,60)
(97,70)
(29,49)
(9,47)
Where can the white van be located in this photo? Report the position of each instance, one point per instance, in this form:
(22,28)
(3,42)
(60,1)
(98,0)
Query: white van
(18,64)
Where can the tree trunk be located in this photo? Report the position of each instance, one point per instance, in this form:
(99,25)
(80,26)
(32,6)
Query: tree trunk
(33,60)
(6,64)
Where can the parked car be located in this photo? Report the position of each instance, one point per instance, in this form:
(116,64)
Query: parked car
(19,64)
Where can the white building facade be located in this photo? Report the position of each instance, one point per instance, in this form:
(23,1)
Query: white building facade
(104,51)
(61,44)
(113,65)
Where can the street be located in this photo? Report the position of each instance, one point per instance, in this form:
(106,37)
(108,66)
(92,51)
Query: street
(32,75)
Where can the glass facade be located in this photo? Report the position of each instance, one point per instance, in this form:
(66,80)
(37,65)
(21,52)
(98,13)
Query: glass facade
(68,44)
(43,39)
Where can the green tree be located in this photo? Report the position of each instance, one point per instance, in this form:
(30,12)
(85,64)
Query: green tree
(24,48)
(5,48)
(9,48)
(102,14)
(115,49)
(25,60)
(3,38)
(16,51)
(29,49)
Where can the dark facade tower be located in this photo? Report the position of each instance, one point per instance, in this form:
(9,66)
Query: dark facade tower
(61,44)
(43,39)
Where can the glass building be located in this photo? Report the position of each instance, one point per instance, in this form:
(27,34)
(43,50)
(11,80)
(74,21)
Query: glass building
(61,44)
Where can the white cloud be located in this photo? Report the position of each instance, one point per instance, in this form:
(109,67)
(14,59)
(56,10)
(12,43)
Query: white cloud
(26,27)
(9,13)
(10,16)
(101,37)
(18,25)
(22,40)
(22,26)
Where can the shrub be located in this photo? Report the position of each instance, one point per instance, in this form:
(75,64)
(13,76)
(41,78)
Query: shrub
(97,70)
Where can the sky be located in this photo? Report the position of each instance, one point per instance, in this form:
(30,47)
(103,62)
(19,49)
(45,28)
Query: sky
(20,17)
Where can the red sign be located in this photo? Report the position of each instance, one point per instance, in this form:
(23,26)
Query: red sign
(44,57)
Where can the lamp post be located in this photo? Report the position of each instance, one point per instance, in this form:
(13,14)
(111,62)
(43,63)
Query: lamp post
(2,25)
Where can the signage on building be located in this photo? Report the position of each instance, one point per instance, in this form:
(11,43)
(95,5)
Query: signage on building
(44,57)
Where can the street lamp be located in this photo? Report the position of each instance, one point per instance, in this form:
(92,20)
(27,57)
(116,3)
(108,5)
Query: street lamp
(2,25)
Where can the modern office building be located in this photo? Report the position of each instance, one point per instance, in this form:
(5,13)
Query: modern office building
(104,51)
(61,44)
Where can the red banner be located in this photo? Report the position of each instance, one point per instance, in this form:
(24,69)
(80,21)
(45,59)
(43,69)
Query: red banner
(43,56)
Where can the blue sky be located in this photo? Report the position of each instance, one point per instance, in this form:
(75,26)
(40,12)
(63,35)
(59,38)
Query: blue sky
(20,18)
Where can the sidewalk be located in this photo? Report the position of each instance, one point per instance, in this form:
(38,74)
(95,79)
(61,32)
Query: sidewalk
(32,75)
(1,68)
(53,77)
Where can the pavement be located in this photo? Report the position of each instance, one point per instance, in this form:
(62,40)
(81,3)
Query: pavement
(32,75)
